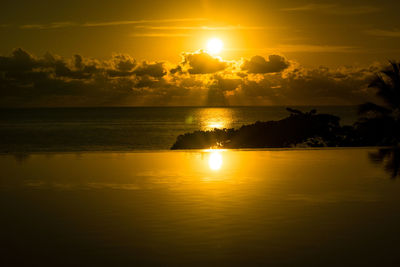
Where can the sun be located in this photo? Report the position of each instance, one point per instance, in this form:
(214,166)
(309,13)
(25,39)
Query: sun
(214,46)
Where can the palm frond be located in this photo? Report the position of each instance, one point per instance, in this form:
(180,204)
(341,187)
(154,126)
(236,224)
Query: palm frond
(384,90)
(387,84)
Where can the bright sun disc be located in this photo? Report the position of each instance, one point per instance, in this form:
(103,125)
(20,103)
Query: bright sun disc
(214,46)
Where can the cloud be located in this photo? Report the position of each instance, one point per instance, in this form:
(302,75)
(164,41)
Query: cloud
(216,97)
(143,21)
(152,31)
(318,48)
(157,35)
(200,79)
(52,25)
(121,65)
(19,60)
(51,80)
(384,33)
(146,24)
(124,66)
(303,86)
(335,9)
(202,63)
(324,85)
(258,64)
(77,68)
(226,84)
(354,10)
(205,28)
(150,69)
(65,24)
(308,7)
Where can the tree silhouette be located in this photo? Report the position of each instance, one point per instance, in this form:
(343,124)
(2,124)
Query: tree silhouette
(387,83)
(379,124)
(298,129)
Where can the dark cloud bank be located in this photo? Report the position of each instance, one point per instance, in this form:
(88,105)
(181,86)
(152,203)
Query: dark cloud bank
(200,79)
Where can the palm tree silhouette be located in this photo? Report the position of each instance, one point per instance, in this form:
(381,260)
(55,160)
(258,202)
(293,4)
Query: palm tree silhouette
(386,117)
(387,83)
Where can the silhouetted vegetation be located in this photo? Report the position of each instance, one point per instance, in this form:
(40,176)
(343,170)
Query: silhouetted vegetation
(379,125)
(299,129)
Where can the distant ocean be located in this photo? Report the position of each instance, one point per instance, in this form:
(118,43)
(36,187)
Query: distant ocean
(128,128)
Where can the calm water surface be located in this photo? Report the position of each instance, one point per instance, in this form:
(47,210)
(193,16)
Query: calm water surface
(331,207)
(127,129)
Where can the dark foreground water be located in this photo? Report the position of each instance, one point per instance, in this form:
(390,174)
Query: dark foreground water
(126,129)
(329,207)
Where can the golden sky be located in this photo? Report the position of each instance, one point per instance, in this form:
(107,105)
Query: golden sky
(345,37)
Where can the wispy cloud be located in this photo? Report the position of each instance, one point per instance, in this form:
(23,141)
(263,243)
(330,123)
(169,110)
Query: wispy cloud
(304,48)
(160,35)
(354,10)
(307,48)
(65,24)
(309,7)
(144,21)
(335,9)
(52,25)
(206,28)
(384,33)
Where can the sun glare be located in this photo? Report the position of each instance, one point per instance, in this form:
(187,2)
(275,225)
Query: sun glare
(214,46)
(215,160)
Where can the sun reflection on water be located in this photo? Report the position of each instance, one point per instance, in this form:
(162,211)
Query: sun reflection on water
(213,125)
(219,118)
(215,160)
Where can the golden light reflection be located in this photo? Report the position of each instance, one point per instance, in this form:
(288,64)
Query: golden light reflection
(218,125)
(215,160)
(219,118)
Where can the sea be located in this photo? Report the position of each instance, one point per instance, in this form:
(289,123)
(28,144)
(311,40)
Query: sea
(129,128)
